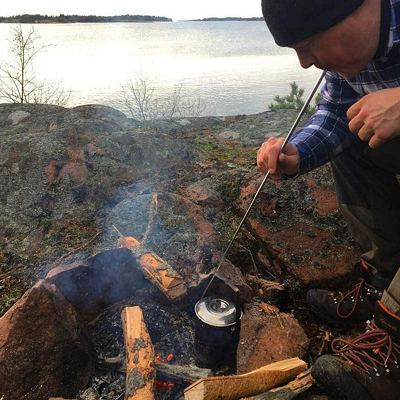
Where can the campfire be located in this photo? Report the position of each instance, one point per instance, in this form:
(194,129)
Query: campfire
(147,345)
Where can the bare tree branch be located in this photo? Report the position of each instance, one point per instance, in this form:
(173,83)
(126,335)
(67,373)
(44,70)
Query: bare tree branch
(139,98)
(18,81)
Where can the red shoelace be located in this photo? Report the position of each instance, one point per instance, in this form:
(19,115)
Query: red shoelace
(369,351)
(353,295)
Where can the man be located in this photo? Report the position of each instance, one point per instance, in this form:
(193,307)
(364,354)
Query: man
(357,128)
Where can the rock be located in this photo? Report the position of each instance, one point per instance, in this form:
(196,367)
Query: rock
(263,340)
(229,135)
(17,116)
(204,196)
(253,130)
(77,173)
(302,230)
(184,122)
(73,159)
(45,349)
(179,234)
(89,394)
(103,280)
(272,292)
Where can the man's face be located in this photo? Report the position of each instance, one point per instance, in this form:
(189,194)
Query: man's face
(346,47)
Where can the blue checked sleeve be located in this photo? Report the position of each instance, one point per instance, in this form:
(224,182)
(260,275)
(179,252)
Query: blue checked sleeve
(326,134)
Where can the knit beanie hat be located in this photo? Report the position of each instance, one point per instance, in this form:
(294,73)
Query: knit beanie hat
(292,21)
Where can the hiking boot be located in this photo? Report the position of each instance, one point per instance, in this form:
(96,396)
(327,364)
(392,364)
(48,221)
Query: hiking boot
(354,307)
(367,367)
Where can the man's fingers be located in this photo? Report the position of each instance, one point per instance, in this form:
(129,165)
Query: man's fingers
(262,167)
(270,158)
(365,133)
(284,160)
(356,124)
(376,141)
(273,159)
(261,161)
(353,110)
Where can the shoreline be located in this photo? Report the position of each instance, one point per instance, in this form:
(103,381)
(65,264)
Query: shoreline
(81,22)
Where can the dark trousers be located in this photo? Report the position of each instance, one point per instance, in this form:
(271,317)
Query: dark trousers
(368,193)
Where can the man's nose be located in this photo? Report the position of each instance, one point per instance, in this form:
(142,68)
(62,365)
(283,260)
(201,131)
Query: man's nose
(306,58)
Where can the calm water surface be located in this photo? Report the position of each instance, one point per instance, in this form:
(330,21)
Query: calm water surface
(234,67)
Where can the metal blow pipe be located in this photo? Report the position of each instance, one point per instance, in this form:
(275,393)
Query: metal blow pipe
(266,177)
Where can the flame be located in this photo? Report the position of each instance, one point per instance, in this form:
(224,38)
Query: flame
(170,356)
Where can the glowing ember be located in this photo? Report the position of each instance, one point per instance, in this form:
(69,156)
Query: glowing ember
(158,358)
(164,385)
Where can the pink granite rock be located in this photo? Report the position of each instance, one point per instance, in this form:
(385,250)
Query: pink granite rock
(45,348)
(265,339)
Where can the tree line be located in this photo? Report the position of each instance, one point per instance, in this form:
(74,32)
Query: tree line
(38,18)
(212,19)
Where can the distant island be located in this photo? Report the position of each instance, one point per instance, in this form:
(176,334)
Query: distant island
(65,19)
(227,19)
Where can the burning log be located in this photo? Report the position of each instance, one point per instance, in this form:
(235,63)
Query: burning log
(236,387)
(302,383)
(158,271)
(140,370)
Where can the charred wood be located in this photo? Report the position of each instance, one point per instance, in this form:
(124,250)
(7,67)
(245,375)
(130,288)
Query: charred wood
(177,373)
(165,372)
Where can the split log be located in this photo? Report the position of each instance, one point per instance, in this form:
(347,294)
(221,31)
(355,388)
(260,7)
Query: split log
(155,269)
(288,392)
(236,387)
(140,370)
(177,373)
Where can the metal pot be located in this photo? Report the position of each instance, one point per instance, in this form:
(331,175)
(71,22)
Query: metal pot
(217,329)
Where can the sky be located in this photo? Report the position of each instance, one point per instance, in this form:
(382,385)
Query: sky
(175,9)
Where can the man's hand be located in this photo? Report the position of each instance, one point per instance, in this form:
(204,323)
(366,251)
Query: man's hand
(376,117)
(269,158)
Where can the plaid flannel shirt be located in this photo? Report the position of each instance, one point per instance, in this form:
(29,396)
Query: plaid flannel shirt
(327,134)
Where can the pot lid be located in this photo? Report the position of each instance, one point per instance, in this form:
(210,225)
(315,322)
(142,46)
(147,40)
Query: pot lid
(215,311)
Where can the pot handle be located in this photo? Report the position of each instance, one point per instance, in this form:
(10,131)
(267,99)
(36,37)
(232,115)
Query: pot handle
(237,295)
